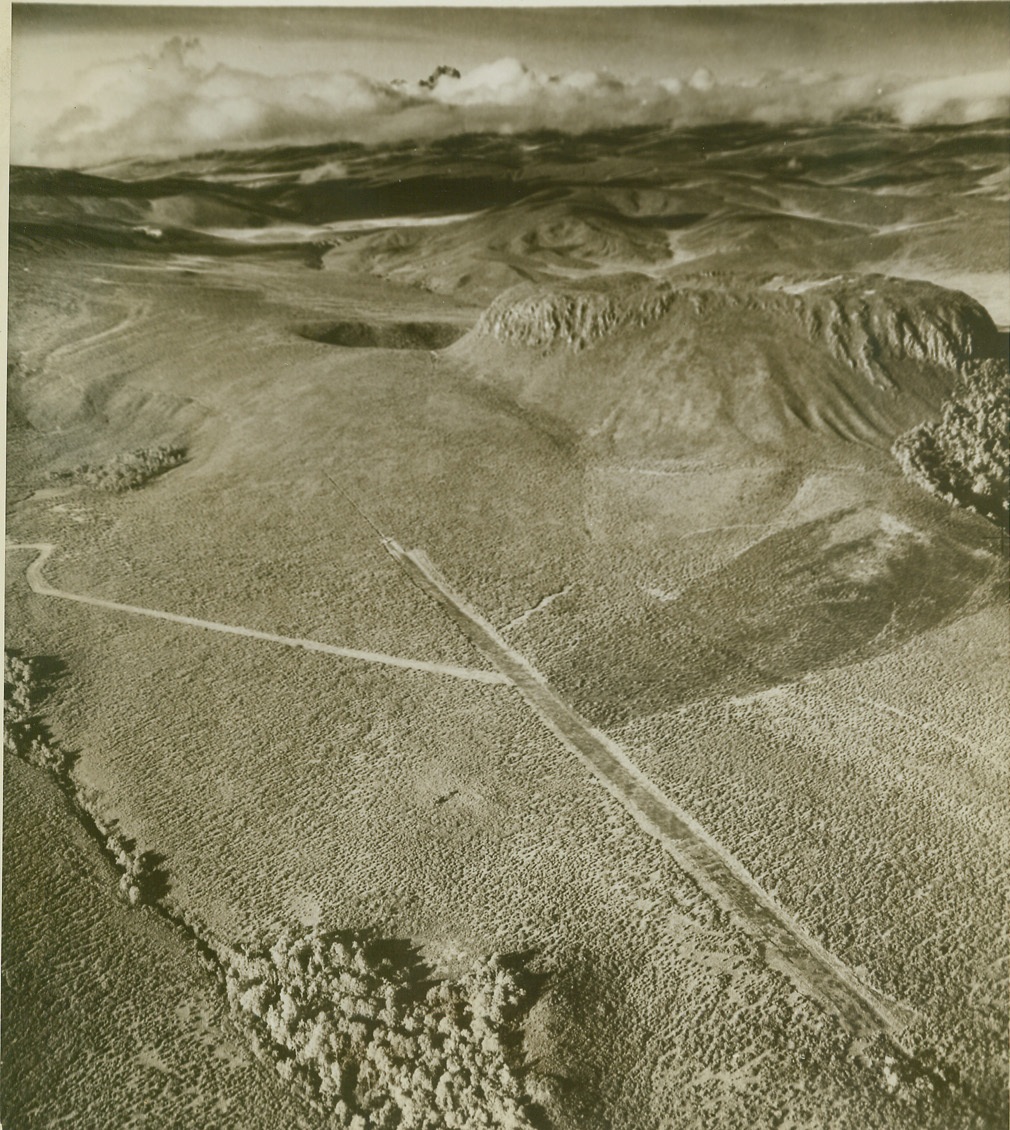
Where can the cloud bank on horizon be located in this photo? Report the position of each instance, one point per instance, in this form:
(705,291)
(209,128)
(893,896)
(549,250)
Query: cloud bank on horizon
(174,103)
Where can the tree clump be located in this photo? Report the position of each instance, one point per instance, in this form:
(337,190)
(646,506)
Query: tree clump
(127,471)
(964,457)
(376,1046)
(140,878)
(25,735)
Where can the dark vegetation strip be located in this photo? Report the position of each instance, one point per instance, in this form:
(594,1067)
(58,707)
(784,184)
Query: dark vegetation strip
(127,471)
(356,1023)
(26,684)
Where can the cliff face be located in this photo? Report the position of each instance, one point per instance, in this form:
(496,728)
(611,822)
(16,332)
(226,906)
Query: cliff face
(539,319)
(868,323)
(671,369)
(861,322)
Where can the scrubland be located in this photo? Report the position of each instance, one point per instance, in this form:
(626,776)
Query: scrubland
(109,1019)
(841,799)
(797,644)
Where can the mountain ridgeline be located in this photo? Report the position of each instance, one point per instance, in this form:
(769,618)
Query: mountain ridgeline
(864,322)
(477,213)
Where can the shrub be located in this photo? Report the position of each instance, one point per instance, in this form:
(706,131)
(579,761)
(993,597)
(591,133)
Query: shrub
(964,457)
(127,471)
(373,1044)
(140,879)
(25,735)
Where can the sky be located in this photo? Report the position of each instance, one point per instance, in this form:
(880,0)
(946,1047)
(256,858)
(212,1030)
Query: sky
(92,84)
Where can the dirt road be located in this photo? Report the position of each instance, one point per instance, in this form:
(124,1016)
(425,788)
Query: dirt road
(786,945)
(38,584)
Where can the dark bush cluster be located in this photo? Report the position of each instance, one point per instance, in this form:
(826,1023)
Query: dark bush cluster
(127,471)
(374,1044)
(25,735)
(964,457)
(140,878)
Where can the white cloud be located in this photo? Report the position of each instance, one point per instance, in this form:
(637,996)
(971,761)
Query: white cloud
(503,83)
(954,101)
(176,102)
(702,79)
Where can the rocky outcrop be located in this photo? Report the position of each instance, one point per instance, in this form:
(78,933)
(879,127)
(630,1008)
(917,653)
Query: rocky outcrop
(676,367)
(862,322)
(539,318)
(868,322)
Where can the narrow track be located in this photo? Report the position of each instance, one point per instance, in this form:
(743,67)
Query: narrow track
(39,585)
(787,947)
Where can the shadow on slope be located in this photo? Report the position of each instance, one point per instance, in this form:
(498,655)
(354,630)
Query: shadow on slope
(384,335)
(835,590)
